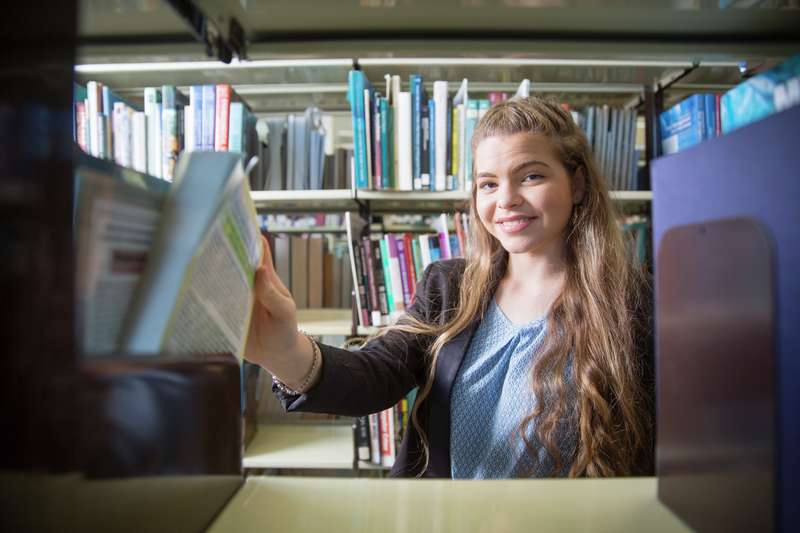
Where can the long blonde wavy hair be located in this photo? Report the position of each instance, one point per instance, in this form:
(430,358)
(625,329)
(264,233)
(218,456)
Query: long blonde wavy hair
(600,397)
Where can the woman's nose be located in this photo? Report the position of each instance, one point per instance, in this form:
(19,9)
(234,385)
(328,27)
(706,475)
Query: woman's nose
(508,197)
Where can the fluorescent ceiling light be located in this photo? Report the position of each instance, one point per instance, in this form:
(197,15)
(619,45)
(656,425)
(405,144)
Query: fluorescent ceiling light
(173,66)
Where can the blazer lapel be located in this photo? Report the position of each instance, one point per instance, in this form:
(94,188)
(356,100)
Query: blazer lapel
(447,365)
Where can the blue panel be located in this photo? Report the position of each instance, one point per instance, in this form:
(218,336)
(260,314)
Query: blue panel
(755,172)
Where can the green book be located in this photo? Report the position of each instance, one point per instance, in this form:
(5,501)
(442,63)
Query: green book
(387,278)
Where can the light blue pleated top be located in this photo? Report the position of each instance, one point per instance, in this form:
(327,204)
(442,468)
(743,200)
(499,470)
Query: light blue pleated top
(490,397)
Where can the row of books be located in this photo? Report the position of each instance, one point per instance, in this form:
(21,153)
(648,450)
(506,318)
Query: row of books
(149,140)
(295,157)
(378,435)
(315,268)
(704,116)
(386,267)
(611,133)
(404,140)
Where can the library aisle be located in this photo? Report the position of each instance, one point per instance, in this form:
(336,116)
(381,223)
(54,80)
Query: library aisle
(589,505)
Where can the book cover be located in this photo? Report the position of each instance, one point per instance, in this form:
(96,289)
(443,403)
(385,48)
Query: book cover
(762,95)
(377,145)
(683,125)
(395,275)
(222,107)
(354,227)
(152,110)
(387,429)
(404,274)
(139,141)
(394,100)
(416,254)
(362,438)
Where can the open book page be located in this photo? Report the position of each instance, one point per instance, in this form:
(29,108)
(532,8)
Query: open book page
(213,314)
(207,242)
(116,219)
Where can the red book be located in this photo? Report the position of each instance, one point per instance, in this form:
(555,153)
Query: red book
(80,125)
(410,270)
(223,109)
(386,423)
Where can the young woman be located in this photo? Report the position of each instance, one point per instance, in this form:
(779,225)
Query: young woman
(533,356)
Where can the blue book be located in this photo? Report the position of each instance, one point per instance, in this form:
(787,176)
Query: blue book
(711,115)
(209,117)
(236,128)
(760,96)
(415,83)
(356,83)
(432,143)
(683,125)
(385,145)
(196,103)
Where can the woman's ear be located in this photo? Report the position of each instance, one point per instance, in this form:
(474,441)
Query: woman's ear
(579,185)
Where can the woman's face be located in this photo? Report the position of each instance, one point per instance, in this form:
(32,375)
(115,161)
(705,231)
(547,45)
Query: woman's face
(524,194)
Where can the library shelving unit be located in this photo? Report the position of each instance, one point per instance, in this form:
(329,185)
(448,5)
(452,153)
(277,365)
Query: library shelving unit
(298,53)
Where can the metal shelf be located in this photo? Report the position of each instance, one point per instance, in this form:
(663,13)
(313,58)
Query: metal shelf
(382,202)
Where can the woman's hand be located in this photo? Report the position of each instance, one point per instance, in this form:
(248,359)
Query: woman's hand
(273,341)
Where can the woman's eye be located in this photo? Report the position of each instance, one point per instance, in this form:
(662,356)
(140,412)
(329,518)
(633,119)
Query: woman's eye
(532,177)
(486,185)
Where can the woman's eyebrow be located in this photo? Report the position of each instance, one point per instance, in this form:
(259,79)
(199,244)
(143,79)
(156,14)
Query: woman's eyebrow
(529,163)
(516,168)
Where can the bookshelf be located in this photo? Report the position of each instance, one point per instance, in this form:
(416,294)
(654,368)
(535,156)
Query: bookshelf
(699,37)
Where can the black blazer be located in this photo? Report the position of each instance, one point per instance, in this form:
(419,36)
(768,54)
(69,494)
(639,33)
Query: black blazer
(376,376)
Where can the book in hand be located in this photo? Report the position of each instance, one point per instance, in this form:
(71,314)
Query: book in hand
(166,270)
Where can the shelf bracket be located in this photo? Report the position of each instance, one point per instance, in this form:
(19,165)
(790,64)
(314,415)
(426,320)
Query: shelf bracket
(219,41)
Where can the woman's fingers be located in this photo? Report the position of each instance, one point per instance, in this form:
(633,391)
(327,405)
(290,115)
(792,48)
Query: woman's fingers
(271,295)
(266,262)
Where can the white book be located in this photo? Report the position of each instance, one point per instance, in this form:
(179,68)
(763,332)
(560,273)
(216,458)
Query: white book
(367,129)
(188,129)
(139,141)
(460,101)
(425,251)
(94,101)
(405,180)
(152,110)
(442,109)
(116,127)
(396,125)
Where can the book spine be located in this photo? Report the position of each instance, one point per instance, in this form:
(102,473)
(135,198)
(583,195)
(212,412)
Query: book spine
(405,180)
(404,274)
(80,126)
(375,438)
(94,103)
(455,136)
(425,139)
(380,279)
(460,234)
(139,141)
(410,270)
(387,437)
(361,284)
(440,123)
(152,110)
(368,136)
(416,254)
(424,251)
(236,128)
(362,438)
(355,92)
(209,115)
(377,146)
(169,132)
(194,136)
(432,144)
(372,293)
(384,133)
(223,108)
(415,84)
(393,279)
